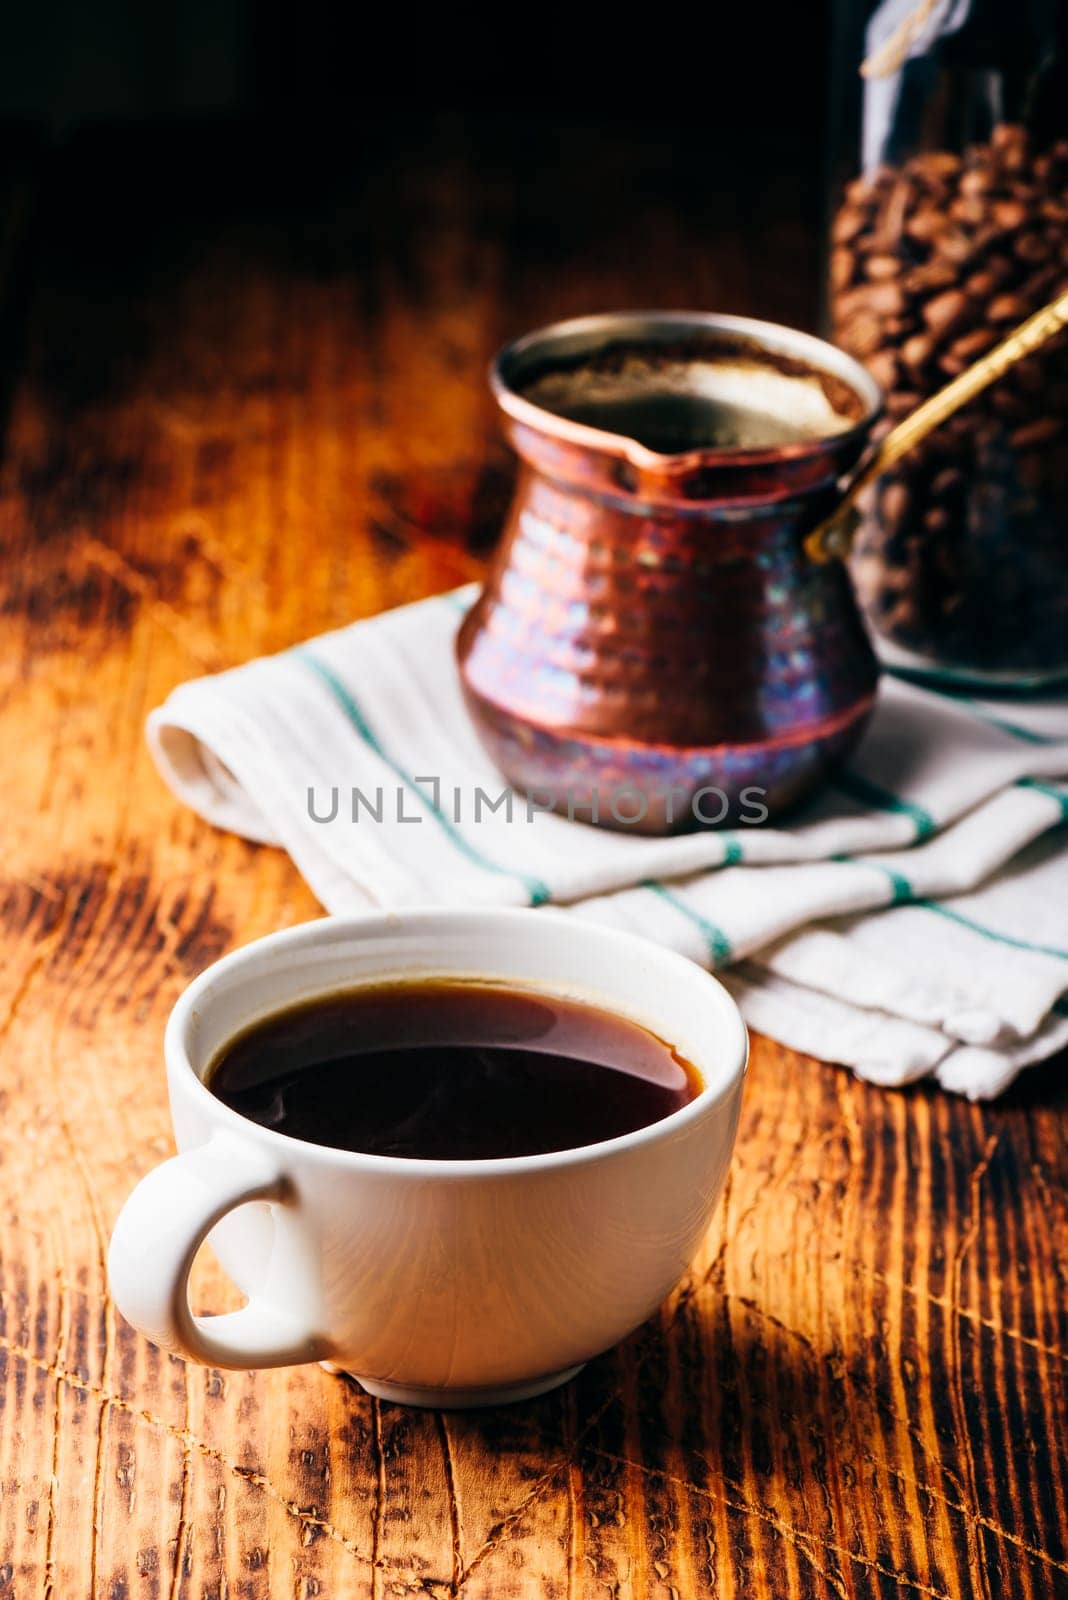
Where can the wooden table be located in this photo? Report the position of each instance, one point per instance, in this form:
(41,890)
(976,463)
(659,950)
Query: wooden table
(246,405)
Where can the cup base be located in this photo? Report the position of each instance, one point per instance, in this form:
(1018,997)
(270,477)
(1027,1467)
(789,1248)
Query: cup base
(459,1399)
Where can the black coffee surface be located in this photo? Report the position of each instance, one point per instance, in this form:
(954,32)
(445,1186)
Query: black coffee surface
(673,423)
(441,1070)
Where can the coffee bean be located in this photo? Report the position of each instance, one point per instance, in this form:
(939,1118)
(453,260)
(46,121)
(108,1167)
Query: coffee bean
(1007,308)
(852,302)
(970,346)
(895,503)
(939,163)
(933,275)
(883,366)
(1031,247)
(890,218)
(956,434)
(917,352)
(936,519)
(1040,285)
(977,181)
(1003,268)
(981,285)
(925,227)
(847,225)
(877,267)
(1008,214)
(1006,402)
(887,299)
(1008,136)
(865,335)
(1035,433)
(842,268)
(946,312)
(860,192)
(947,483)
(901,402)
(970,209)
(954,245)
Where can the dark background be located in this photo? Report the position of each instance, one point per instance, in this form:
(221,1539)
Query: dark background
(137,138)
(736,68)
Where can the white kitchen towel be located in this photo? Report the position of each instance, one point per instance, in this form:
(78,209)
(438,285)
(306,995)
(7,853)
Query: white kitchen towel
(913,919)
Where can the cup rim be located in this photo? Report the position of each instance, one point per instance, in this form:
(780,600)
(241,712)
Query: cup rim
(733,1046)
(580,334)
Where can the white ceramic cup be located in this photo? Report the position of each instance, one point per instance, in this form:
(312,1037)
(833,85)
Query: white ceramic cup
(433,1282)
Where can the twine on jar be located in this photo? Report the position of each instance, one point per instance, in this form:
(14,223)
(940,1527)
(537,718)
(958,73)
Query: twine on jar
(892,54)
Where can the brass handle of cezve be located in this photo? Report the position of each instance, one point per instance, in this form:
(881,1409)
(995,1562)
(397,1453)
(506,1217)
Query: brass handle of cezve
(831,537)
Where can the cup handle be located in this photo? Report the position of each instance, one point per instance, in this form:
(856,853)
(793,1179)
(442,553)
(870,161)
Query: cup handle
(160,1229)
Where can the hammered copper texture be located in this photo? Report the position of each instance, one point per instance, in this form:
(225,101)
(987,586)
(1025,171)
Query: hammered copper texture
(667,639)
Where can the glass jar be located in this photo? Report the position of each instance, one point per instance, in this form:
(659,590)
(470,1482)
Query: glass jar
(953,228)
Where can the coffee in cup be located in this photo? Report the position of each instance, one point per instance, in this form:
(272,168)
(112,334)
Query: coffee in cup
(319,1083)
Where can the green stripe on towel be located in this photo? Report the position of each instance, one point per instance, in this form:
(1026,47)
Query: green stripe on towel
(537,891)
(1014,729)
(903,895)
(902,892)
(991,933)
(719,946)
(966,703)
(1048,789)
(867,793)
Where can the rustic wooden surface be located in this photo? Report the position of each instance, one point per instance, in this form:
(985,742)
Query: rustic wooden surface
(235,420)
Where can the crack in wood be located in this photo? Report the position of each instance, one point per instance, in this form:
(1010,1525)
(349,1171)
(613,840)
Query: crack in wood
(380,1494)
(454,1504)
(78,1161)
(502,1530)
(183,1502)
(945,1303)
(857,1384)
(248,1475)
(62,1317)
(981,1521)
(977,1561)
(797,1536)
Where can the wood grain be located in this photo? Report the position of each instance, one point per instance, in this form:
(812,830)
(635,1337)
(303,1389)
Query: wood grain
(243,417)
